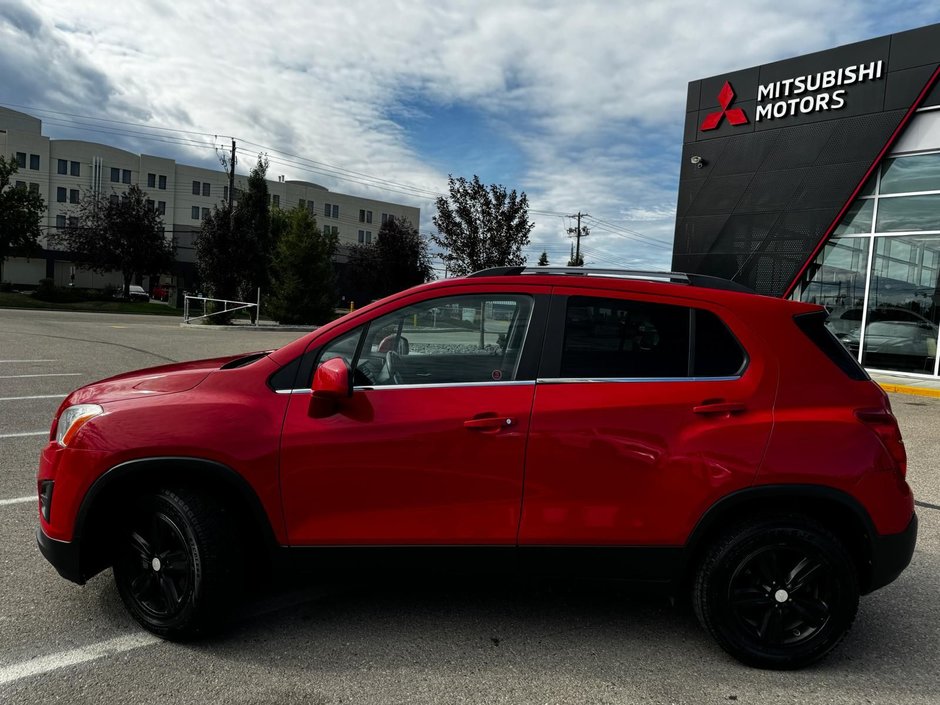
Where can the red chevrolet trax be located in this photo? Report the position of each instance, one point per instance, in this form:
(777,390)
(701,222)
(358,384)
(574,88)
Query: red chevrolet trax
(664,428)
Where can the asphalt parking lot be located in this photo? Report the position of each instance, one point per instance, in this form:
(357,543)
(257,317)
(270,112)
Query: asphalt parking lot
(492,643)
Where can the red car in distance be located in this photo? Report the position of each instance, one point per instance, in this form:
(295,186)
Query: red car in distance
(657,427)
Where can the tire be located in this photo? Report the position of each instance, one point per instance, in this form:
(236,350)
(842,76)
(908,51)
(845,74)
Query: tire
(175,565)
(777,593)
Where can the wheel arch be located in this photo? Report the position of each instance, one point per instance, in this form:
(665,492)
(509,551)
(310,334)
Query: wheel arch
(835,509)
(103,505)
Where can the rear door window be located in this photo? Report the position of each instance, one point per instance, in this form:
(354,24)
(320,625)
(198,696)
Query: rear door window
(607,338)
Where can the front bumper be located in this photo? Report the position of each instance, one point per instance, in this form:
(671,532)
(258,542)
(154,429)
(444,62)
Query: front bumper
(891,554)
(63,555)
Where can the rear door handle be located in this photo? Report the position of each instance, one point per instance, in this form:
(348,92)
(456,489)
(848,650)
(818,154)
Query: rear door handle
(722,407)
(488,423)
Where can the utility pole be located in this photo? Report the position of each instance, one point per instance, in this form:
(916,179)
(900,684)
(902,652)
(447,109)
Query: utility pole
(231,178)
(579,233)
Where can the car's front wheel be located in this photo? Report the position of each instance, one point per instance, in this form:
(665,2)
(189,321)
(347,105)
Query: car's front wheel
(174,565)
(778,593)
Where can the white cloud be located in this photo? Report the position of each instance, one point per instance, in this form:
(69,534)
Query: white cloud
(591,93)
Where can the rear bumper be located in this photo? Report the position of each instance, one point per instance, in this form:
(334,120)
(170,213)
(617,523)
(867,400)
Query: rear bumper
(63,555)
(891,554)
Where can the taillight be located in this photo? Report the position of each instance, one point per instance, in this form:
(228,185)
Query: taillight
(883,423)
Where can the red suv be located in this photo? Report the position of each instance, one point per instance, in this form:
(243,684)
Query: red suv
(663,428)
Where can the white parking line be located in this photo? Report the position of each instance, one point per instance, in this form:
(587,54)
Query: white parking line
(47,374)
(38,396)
(63,659)
(18,500)
(24,435)
(12,361)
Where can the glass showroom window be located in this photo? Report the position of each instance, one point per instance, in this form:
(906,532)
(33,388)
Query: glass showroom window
(879,276)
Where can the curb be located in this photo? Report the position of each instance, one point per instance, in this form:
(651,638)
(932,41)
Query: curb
(915,391)
(285,329)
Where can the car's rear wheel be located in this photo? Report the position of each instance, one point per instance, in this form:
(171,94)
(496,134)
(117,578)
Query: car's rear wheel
(174,565)
(777,593)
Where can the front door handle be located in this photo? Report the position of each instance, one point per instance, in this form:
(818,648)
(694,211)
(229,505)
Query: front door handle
(488,423)
(720,407)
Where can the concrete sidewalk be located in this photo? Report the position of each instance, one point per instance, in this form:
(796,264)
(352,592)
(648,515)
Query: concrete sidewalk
(908,385)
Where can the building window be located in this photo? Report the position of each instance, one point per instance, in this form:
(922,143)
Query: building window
(205,213)
(34,162)
(151,180)
(369,217)
(162,182)
(61,194)
(302,204)
(326,210)
(20,184)
(335,211)
(368,237)
(197,188)
(62,167)
(311,209)
(330,230)
(387,218)
(151,204)
(34,187)
(60,220)
(161,207)
(114,199)
(115,175)
(205,188)
(362,215)
(362,237)
(76,168)
(277,200)
(195,212)
(21,160)
(126,176)
(73,195)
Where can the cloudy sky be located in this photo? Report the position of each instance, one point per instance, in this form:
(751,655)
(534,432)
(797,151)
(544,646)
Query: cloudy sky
(578,103)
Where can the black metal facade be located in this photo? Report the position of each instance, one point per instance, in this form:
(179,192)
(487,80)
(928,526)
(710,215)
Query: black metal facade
(764,195)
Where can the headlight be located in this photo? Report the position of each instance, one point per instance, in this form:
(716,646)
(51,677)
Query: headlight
(73,419)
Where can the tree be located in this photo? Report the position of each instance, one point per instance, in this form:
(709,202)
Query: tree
(235,245)
(543,259)
(481,227)
(218,254)
(399,259)
(122,233)
(253,232)
(575,260)
(302,289)
(21,212)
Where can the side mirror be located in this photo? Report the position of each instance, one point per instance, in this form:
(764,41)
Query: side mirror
(332,380)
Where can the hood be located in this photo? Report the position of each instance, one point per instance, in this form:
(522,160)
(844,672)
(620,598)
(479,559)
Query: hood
(165,379)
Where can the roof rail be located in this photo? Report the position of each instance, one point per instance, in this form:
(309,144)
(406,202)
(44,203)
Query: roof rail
(701,280)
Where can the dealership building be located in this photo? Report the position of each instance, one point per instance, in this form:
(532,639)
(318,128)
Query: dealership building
(818,178)
(63,171)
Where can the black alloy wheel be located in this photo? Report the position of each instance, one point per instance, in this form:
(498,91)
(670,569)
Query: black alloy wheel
(781,595)
(175,565)
(160,567)
(778,593)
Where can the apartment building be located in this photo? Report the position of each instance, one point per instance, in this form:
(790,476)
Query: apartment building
(61,171)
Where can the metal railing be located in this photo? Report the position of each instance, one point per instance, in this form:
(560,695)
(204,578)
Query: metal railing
(227,307)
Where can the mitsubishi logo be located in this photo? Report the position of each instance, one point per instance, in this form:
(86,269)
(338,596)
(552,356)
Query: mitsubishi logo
(735,116)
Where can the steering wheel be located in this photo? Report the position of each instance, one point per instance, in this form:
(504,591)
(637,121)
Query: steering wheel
(393,366)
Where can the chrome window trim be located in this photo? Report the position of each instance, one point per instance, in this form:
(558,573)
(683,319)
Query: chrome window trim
(623,380)
(438,385)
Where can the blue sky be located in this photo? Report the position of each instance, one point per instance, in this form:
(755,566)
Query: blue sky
(579,104)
